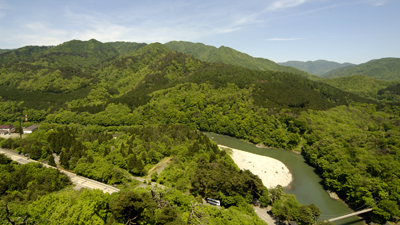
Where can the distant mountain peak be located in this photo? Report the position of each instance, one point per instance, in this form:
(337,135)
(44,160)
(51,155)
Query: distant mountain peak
(231,56)
(383,69)
(317,67)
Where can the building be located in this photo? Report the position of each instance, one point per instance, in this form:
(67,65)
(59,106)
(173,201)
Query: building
(5,129)
(28,130)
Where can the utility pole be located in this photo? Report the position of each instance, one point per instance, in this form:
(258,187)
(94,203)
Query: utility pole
(20,125)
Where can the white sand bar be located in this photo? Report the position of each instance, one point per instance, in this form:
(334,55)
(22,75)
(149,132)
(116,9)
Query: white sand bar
(272,172)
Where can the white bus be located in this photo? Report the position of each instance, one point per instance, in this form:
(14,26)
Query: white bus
(213,201)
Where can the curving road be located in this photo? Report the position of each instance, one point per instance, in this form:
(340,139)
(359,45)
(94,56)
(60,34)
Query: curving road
(262,213)
(79,181)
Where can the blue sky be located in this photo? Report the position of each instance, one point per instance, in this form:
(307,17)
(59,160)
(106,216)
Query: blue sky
(353,31)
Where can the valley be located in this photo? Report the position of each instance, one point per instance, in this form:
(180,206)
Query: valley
(115,110)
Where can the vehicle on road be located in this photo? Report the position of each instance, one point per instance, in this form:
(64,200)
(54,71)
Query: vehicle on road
(213,201)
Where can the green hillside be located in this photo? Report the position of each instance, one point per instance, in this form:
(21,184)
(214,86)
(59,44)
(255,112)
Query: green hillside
(77,54)
(269,89)
(4,50)
(382,69)
(126,48)
(367,87)
(63,68)
(230,56)
(69,54)
(318,67)
(130,79)
(22,54)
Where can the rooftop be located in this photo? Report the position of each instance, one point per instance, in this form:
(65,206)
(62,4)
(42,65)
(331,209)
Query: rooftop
(33,127)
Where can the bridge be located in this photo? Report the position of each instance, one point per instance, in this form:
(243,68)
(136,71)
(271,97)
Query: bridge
(351,214)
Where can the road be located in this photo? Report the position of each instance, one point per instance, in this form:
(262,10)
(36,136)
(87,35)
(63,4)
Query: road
(153,184)
(79,181)
(262,213)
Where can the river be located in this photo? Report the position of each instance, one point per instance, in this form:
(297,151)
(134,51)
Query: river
(306,186)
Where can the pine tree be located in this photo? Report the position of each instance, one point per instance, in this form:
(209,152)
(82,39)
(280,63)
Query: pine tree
(140,167)
(64,159)
(122,150)
(90,159)
(131,162)
(106,152)
(51,161)
(130,150)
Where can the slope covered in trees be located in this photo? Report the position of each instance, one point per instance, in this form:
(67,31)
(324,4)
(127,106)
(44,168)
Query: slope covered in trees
(318,67)
(4,50)
(383,69)
(62,68)
(357,151)
(131,79)
(230,56)
(126,48)
(367,87)
(268,89)
(22,54)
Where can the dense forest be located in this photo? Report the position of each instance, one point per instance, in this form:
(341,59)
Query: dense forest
(368,87)
(160,100)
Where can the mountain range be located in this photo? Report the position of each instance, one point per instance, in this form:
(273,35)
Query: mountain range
(383,69)
(115,72)
(120,68)
(230,56)
(318,67)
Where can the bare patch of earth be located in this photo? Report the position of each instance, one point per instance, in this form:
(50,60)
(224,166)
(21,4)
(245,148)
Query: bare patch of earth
(159,167)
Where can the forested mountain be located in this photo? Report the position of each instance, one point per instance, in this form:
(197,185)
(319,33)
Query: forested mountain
(367,87)
(230,56)
(22,54)
(73,53)
(318,67)
(4,50)
(150,68)
(382,69)
(159,99)
(125,48)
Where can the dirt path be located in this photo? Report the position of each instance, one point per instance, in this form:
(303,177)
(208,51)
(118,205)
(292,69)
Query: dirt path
(159,167)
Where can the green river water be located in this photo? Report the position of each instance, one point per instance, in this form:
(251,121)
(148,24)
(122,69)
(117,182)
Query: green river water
(306,186)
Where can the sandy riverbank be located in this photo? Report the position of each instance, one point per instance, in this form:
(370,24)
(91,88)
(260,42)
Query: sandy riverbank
(272,172)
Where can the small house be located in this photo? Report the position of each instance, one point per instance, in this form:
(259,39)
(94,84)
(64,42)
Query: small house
(8,128)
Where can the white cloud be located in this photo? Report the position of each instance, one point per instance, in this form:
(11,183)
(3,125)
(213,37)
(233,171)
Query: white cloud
(282,4)
(285,39)
(377,2)
(147,28)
